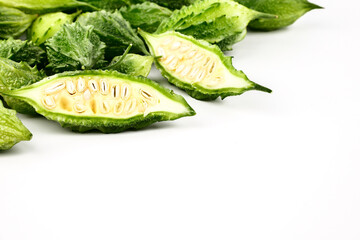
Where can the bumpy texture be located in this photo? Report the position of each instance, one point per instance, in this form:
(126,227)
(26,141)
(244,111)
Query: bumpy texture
(107,4)
(13,22)
(171,4)
(213,20)
(47,25)
(199,68)
(288,11)
(114,31)
(15,75)
(74,47)
(45,6)
(12,131)
(147,16)
(22,51)
(103,100)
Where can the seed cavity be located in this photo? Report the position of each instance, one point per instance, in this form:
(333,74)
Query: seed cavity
(119,108)
(125,92)
(186,71)
(115,91)
(212,67)
(70,87)
(104,87)
(79,107)
(175,45)
(169,59)
(93,86)
(105,107)
(194,72)
(65,104)
(87,95)
(172,65)
(180,68)
(130,106)
(184,48)
(191,54)
(93,106)
(81,85)
(146,95)
(49,102)
(57,87)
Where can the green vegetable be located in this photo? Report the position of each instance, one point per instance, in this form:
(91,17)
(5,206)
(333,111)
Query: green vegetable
(13,22)
(171,4)
(146,16)
(132,64)
(108,4)
(103,100)
(74,47)
(44,6)
(213,20)
(15,75)
(288,11)
(114,31)
(22,51)
(197,67)
(12,131)
(46,26)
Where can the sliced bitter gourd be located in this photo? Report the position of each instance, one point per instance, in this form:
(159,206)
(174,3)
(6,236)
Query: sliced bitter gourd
(105,100)
(197,67)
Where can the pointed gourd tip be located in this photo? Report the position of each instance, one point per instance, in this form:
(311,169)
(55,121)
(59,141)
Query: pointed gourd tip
(262,88)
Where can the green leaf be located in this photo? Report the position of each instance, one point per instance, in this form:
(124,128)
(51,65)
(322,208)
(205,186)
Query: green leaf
(74,47)
(114,31)
(13,22)
(146,16)
(47,25)
(22,51)
(288,11)
(171,4)
(212,20)
(15,75)
(108,4)
(44,6)
(12,131)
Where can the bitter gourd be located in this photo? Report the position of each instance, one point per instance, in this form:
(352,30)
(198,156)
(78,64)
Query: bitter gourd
(104,100)
(197,67)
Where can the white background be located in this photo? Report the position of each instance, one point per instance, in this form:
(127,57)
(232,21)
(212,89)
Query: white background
(281,166)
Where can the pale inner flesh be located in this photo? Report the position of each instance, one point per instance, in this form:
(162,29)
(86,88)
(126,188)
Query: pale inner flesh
(194,65)
(103,97)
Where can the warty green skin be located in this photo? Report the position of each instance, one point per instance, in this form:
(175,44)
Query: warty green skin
(22,51)
(107,4)
(195,90)
(45,6)
(170,4)
(214,21)
(12,130)
(105,125)
(114,31)
(74,47)
(15,75)
(14,22)
(47,25)
(288,11)
(147,16)
(132,64)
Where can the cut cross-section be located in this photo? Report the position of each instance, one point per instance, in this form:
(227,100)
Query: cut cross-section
(199,68)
